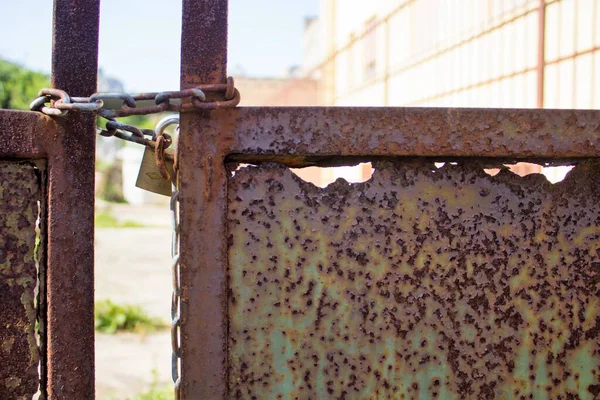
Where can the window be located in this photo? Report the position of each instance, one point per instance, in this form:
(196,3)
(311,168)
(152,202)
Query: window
(351,61)
(370,49)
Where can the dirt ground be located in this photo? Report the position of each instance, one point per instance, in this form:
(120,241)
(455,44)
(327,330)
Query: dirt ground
(133,266)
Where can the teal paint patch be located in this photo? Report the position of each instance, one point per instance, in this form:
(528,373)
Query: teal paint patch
(419,283)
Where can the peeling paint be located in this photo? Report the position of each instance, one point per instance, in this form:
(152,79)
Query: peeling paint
(19,354)
(419,283)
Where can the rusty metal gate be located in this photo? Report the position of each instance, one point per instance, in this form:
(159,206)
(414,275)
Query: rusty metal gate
(47,175)
(425,281)
(422,282)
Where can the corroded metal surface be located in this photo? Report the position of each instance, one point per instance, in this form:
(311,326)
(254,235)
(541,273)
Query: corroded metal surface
(418,283)
(67,145)
(203,42)
(71,157)
(202,183)
(19,355)
(22,134)
(294,135)
(301,136)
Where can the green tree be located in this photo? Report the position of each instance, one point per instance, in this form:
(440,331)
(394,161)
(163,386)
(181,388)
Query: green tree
(19,86)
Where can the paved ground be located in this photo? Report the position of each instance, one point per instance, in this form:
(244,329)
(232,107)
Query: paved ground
(133,266)
(127,364)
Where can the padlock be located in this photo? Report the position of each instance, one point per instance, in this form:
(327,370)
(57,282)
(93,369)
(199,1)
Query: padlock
(149,177)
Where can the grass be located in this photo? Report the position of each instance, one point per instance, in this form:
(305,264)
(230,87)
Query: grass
(105,219)
(112,318)
(155,392)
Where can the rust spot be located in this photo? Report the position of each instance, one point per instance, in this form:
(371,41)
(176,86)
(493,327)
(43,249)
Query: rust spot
(19,353)
(419,282)
(594,389)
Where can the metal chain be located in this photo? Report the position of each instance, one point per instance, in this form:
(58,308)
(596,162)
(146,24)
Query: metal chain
(175,303)
(175,270)
(62,103)
(58,103)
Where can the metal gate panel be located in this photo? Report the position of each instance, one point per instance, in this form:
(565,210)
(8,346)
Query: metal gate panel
(66,145)
(66,224)
(19,353)
(228,351)
(295,134)
(229,340)
(422,282)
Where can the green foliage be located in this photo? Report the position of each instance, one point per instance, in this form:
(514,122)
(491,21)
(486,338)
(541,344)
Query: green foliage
(111,318)
(139,121)
(19,86)
(156,392)
(104,219)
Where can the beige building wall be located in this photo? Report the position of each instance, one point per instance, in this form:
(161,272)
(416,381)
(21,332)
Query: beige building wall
(461,53)
(276,91)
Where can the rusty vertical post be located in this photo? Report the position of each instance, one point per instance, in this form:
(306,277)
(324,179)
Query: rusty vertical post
(203,42)
(386,75)
(333,67)
(541,59)
(70,275)
(203,270)
(593,61)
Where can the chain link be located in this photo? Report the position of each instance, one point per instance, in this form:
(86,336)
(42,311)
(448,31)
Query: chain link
(175,298)
(175,270)
(61,103)
(57,103)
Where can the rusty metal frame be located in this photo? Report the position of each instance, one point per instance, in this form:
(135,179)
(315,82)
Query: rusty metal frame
(68,146)
(327,136)
(209,140)
(203,329)
(313,136)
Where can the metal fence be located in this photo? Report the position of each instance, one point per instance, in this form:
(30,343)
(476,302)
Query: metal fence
(423,281)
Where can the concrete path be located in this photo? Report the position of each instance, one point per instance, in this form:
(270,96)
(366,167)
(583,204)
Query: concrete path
(127,364)
(133,266)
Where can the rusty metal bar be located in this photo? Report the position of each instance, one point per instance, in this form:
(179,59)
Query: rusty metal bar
(70,275)
(573,55)
(19,350)
(290,135)
(386,73)
(541,56)
(23,134)
(203,42)
(203,264)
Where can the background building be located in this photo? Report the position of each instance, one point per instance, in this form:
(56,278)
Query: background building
(286,91)
(462,53)
(457,53)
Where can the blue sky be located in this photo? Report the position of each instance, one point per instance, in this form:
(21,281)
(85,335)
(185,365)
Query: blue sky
(139,39)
